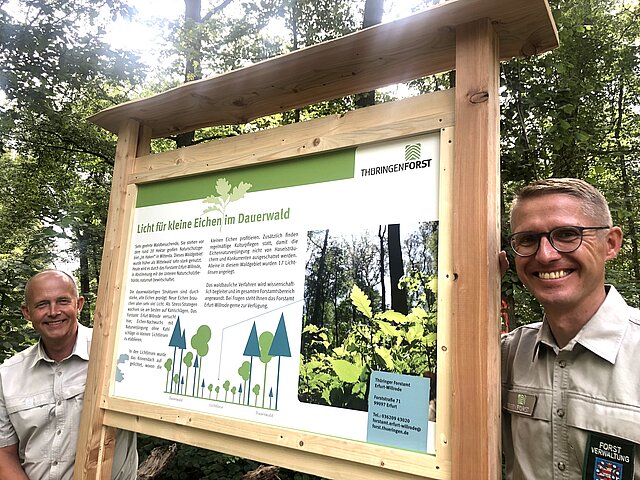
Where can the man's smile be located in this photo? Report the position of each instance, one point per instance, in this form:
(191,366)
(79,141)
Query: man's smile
(54,322)
(553,275)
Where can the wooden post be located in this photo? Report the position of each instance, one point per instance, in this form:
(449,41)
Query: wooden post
(94,458)
(476,243)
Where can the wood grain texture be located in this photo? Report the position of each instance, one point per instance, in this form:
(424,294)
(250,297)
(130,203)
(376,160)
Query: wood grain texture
(476,237)
(445,292)
(399,119)
(297,450)
(389,53)
(96,442)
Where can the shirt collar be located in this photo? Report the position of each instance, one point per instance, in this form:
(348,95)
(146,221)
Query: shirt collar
(602,334)
(80,349)
(544,336)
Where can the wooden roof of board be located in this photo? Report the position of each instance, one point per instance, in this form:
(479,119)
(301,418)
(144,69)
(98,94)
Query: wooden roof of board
(399,51)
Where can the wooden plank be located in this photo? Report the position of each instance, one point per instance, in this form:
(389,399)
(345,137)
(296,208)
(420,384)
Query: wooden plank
(399,51)
(476,238)
(372,124)
(444,410)
(96,442)
(297,450)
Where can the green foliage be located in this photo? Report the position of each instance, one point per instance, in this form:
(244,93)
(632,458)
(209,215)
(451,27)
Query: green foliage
(384,341)
(245,370)
(200,341)
(188,359)
(265,340)
(54,72)
(361,301)
(574,112)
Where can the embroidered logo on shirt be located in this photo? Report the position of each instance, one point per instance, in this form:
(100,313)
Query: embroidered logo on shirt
(521,403)
(608,458)
(607,470)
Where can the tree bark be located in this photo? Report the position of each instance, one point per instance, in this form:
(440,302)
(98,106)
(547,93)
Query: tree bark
(373,10)
(396,270)
(157,461)
(193,56)
(316,316)
(626,185)
(381,234)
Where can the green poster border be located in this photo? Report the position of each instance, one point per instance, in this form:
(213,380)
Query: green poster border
(307,170)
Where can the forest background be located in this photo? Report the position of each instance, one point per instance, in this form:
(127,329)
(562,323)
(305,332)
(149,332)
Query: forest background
(571,112)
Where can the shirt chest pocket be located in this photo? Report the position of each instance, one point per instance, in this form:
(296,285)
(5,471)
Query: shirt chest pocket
(72,399)
(30,415)
(622,421)
(34,416)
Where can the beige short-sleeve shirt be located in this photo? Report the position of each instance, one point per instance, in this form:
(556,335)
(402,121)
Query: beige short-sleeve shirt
(40,410)
(553,398)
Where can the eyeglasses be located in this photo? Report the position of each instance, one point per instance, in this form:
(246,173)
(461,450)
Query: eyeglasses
(563,239)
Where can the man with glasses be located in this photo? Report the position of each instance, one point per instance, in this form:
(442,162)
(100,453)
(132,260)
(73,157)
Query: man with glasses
(571,383)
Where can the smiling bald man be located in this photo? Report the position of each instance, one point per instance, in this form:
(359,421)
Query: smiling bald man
(42,389)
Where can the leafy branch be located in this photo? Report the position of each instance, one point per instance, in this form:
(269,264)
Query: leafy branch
(225,195)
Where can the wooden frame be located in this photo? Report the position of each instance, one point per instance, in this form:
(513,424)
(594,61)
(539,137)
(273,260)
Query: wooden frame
(294,448)
(468,35)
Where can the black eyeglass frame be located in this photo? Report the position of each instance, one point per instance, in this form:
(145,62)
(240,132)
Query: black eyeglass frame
(548,235)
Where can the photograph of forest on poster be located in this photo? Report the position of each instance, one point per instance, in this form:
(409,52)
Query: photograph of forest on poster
(370,304)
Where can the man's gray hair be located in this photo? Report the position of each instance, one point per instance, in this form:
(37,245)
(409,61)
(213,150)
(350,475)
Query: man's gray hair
(594,204)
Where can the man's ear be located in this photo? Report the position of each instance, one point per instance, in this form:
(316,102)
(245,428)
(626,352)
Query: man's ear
(614,242)
(80,303)
(25,311)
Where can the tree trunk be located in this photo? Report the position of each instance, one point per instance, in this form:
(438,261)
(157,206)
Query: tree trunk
(263,472)
(626,185)
(85,283)
(373,10)
(316,316)
(157,461)
(381,234)
(396,270)
(193,56)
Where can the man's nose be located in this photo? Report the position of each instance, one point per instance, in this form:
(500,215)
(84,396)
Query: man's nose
(546,251)
(54,309)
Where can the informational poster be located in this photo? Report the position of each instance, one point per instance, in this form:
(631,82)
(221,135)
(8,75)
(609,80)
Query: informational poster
(270,293)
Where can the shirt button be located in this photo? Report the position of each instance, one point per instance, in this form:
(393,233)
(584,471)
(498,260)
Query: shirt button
(58,432)
(560,412)
(561,466)
(562,363)
(59,402)
(59,373)
(55,463)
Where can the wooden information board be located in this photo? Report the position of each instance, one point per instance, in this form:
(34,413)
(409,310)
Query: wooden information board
(205,329)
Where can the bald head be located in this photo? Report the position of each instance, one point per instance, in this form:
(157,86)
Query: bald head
(63,277)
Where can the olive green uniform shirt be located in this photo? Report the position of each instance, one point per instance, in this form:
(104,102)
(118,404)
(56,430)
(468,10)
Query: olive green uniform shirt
(40,409)
(553,397)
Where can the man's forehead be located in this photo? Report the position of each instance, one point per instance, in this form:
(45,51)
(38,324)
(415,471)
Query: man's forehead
(50,284)
(545,207)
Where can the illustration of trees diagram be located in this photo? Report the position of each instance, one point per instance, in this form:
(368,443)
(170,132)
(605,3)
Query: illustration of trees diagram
(189,374)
